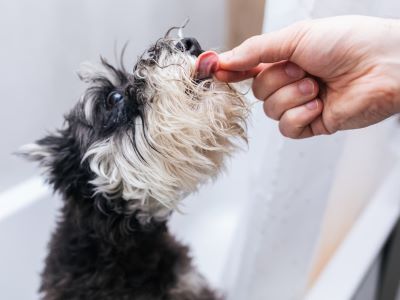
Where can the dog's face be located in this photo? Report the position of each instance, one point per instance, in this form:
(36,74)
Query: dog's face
(153,135)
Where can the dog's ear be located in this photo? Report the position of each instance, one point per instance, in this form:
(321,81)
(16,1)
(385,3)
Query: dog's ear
(43,151)
(51,151)
(59,158)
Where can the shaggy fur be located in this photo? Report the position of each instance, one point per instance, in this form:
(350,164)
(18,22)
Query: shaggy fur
(132,148)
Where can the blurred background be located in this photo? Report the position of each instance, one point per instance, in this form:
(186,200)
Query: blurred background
(288,220)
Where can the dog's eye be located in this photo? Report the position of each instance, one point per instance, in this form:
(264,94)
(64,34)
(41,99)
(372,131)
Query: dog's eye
(113,99)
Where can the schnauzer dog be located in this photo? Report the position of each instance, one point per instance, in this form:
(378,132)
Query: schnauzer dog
(132,148)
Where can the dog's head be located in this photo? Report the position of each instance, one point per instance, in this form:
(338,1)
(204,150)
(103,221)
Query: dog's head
(149,137)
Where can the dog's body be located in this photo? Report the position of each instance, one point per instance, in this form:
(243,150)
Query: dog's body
(132,148)
(111,256)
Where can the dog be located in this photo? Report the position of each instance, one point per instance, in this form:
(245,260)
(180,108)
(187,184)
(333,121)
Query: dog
(135,144)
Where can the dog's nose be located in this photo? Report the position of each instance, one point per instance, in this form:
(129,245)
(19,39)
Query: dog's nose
(190,45)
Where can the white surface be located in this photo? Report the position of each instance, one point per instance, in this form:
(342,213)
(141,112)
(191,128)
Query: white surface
(21,195)
(347,268)
(23,239)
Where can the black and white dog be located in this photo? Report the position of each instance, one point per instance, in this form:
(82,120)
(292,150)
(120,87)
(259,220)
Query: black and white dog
(131,149)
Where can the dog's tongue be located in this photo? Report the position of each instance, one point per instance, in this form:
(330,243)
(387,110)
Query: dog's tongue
(206,65)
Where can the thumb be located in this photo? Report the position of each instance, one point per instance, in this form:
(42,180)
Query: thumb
(267,48)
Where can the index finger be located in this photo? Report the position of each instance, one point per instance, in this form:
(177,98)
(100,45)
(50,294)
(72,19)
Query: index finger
(267,48)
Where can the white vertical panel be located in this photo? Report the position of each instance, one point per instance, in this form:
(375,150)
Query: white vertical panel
(287,204)
(289,194)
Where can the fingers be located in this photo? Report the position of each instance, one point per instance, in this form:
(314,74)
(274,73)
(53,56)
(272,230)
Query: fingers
(303,121)
(235,76)
(268,48)
(274,77)
(294,105)
(290,96)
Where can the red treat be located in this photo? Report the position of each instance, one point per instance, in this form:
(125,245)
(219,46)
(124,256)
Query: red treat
(206,64)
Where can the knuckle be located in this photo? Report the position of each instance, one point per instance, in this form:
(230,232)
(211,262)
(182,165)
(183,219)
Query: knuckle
(248,45)
(318,127)
(270,110)
(258,89)
(317,130)
(254,40)
(235,51)
(262,85)
(286,130)
(287,124)
(291,117)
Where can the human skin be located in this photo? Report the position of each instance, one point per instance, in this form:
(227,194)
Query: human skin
(321,76)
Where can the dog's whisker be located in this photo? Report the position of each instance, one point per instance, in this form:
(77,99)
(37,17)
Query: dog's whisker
(179,28)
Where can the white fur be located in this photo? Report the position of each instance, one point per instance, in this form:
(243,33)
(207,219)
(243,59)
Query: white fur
(192,127)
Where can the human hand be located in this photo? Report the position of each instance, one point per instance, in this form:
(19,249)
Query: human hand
(320,76)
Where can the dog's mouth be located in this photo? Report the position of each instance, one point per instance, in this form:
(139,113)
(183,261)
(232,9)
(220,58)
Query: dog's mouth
(151,56)
(206,61)
(187,45)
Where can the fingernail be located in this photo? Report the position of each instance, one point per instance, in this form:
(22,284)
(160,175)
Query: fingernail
(293,70)
(312,105)
(306,87)
(206,64)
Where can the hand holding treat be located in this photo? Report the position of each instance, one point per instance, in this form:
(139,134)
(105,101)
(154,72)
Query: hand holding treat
(320,76)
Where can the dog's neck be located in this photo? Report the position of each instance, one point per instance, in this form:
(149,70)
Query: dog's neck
(71,177)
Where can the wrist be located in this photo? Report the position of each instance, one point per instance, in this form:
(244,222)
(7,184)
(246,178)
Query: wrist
(391,64)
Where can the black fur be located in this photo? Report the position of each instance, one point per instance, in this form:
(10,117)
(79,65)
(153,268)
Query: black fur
(100,251)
